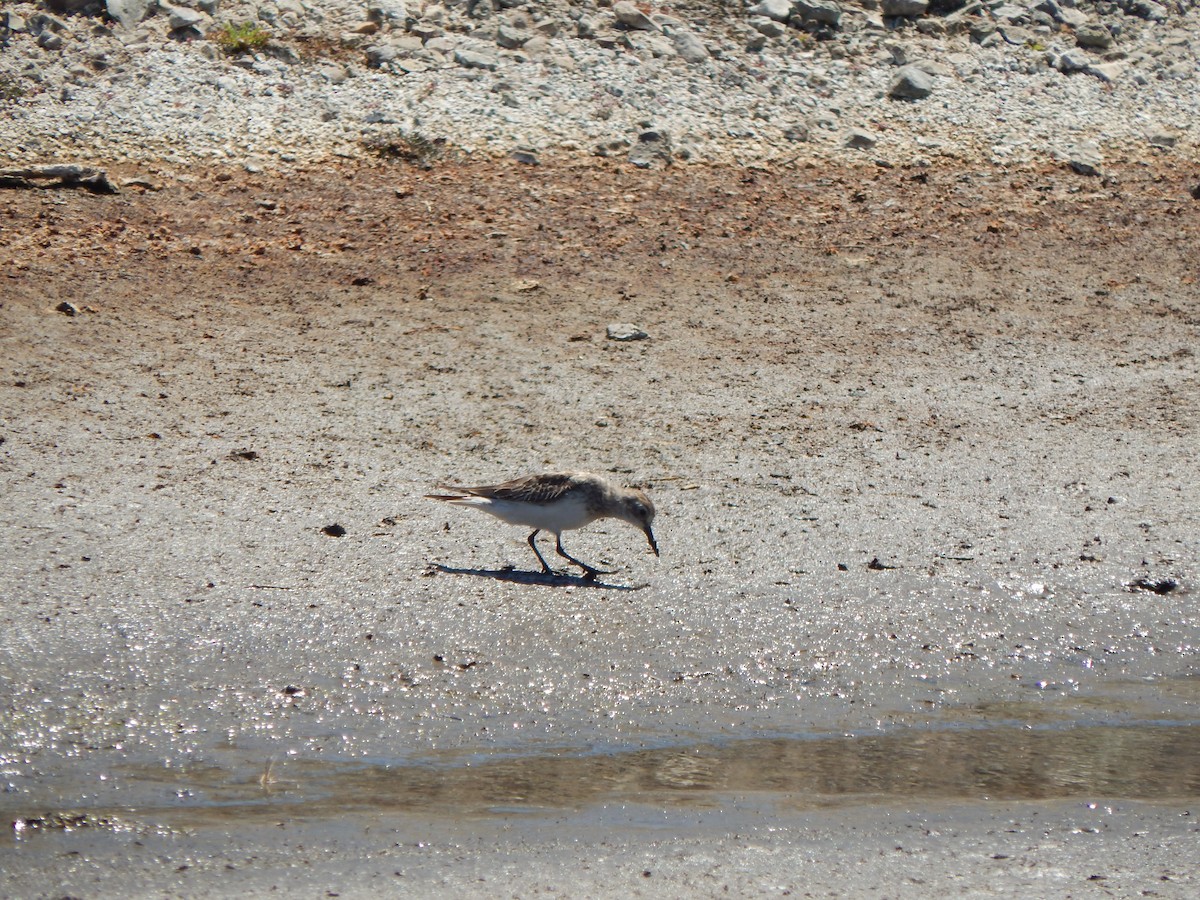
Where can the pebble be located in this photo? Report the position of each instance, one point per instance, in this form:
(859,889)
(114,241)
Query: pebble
(1085,158)
(776,10)
(861,139)
(624,80)
(623,331)
(824,12)
(632,17)
(906,8)
(690,47)
(1093,34)
(911,83)
(128,12)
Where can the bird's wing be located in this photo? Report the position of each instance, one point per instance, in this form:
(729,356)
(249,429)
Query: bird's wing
(531,489)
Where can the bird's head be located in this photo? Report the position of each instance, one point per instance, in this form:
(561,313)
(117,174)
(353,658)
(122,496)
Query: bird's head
(639,512)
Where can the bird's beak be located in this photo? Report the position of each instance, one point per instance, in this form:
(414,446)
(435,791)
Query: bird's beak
(650,538)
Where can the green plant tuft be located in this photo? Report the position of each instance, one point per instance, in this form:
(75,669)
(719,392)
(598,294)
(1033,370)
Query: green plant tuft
(241,38)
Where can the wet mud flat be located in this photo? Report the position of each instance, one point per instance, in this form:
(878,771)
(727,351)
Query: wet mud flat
(922,444)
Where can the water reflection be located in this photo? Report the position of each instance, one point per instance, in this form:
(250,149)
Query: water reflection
(1146,762)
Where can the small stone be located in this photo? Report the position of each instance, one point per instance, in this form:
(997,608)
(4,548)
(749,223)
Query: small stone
(480,9)
(1071,17)
(1109,71)
(1162,137)
(768,27)
(911,83)
(690,47)
(907,8)
(1085,159)
(797,133)
(379,55)
(1010,12)
(539,45)
(1073,61)
(755,42)
(128,12)
(1095,35)
(624,331)
(823,12)
(475,59)
(861,139)
(776,10)
(182,17)
(66,309)
(1145,9)
(333,73)
(389,12)
(982,31)
(586,27)
(1154,585)
(511,38)
(653,148)
(632,17)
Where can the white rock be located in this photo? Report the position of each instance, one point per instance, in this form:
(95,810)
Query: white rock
(128,12)
(777,10)
(1107,71)
(181,17)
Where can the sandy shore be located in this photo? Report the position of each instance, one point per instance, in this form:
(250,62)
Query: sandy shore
(912,434)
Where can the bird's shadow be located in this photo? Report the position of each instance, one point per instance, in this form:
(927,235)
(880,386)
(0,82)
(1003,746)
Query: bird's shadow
(519,576)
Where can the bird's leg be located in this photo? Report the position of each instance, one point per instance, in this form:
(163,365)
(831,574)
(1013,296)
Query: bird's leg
(589,572)
(545,568)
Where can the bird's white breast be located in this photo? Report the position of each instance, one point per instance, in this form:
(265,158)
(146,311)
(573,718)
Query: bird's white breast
(561,515)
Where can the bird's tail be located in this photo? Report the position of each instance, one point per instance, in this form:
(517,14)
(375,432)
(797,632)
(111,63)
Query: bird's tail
(455,493)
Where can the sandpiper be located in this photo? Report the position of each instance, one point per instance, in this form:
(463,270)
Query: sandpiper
(557,502)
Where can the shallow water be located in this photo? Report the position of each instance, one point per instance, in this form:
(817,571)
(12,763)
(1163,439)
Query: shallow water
(1148,762)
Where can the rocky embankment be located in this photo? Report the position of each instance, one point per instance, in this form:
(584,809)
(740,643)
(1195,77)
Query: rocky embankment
(272,85)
